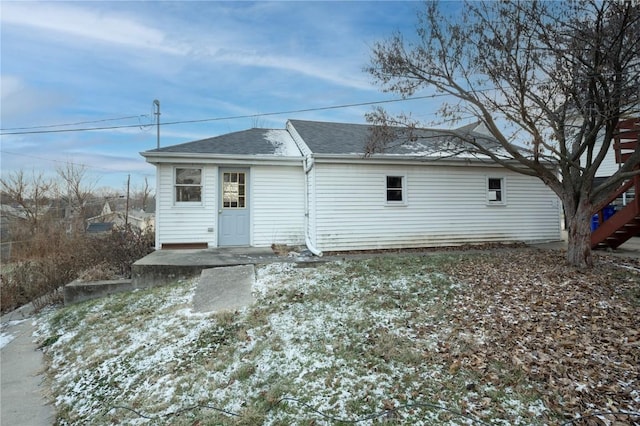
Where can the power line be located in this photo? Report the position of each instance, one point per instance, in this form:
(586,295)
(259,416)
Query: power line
(73,124)
(234,117)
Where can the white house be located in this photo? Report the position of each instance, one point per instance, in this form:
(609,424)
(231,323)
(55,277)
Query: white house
(311,184)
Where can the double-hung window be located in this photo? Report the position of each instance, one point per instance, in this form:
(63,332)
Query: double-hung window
(496,191)
(188,184)
(396,192)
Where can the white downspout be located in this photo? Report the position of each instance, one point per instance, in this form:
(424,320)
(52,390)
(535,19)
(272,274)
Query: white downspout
(307,165)
(156,220)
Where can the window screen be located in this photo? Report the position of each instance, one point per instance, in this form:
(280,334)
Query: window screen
(188,185)
(395,190)
(495,190)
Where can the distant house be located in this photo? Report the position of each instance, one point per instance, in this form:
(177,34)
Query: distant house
(99,227)
(311,184)
(118,216)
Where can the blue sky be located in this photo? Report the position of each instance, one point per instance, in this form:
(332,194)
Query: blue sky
(73,62)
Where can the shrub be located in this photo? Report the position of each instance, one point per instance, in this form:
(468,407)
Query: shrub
(124,246)
(54,258)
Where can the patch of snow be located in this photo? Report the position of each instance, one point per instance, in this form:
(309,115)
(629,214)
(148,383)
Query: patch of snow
(282,142)
(582,387)
(5,339)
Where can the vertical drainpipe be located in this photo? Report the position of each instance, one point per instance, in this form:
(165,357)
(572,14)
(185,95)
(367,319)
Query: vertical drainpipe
(156,224)
(307,165)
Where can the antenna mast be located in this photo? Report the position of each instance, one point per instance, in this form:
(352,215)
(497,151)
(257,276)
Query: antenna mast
(156,103)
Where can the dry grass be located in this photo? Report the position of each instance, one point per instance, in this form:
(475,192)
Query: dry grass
(503,338)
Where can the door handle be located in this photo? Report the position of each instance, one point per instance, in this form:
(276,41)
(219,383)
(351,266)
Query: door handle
(220,211)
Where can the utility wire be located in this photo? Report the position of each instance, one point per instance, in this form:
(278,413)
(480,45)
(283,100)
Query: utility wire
(233,117)
(73,124)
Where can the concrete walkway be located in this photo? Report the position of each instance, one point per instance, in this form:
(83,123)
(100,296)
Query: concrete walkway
(226,288)
(22,400)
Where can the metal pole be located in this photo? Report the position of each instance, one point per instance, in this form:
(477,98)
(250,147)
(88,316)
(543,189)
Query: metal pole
(126,212)
(157,114)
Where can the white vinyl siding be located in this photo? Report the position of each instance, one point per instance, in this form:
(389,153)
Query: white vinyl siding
(186,222)
(276,200)
(446,205)
(608,166)
(277,205)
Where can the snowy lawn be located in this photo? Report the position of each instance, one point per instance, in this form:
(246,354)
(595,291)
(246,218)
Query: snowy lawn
(373,341)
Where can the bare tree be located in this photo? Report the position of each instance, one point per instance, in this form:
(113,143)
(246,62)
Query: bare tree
(142,193)
(548,80)
(32,196)
(79,189)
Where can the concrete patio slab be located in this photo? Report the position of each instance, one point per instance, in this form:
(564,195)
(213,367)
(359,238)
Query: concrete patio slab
(165,266)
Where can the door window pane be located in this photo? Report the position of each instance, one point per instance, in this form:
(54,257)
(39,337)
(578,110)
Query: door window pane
(233,190)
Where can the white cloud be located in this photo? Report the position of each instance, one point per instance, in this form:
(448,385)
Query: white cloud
(85,24)
(81,25)
(19,100)
(300,65)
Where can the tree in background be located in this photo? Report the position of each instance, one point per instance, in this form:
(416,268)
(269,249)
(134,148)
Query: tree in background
(79,188)
(549,81)
(142,195)
(29,199)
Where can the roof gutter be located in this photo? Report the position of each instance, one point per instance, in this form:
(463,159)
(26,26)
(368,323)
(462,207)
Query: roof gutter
(307,166)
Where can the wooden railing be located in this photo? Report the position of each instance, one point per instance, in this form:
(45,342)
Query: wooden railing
(613,230)
(623,224)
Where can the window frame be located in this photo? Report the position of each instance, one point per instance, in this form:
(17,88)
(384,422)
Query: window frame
(503,191)
(176,185)
(242,194)
(403,189)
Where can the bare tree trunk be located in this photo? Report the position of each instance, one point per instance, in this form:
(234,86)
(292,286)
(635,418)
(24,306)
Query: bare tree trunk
(579,230)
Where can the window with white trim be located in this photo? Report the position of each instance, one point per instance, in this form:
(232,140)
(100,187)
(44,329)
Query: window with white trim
(396,190)
(496,190)
(188,184)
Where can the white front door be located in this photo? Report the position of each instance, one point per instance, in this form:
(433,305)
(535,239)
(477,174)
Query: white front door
(233,207)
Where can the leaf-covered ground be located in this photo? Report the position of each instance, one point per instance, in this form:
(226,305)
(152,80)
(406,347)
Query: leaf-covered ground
(501,337)
(576,334)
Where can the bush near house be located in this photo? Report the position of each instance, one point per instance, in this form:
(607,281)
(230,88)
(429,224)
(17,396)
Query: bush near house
(54,258)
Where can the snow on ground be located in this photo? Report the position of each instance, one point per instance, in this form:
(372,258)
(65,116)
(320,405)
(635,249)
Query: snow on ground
(6,338)
(343,341)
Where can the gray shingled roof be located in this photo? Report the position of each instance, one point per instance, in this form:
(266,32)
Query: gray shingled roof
(246,142)
(345,138)
(326,138)
(96,228)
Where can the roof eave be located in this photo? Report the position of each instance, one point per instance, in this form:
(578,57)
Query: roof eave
(397,157)
(190,157)
(413,159)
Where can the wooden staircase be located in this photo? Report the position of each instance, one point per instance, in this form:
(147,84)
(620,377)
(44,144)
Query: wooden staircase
(625,222)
